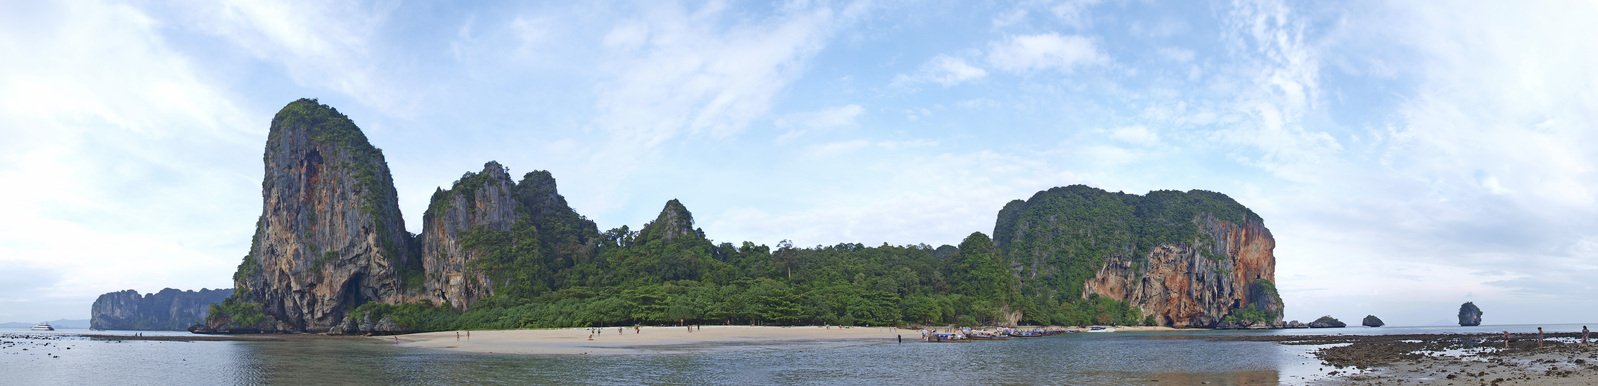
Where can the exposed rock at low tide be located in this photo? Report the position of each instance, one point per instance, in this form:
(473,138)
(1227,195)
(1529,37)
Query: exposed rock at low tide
(1372,321)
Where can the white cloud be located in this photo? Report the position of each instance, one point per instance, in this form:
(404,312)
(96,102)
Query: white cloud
(1050,51)
(1278,85)
(1074,13)
(1176,54)
(120,160)
(706,71)
(917,198)
(841,148)
(826,119)
(1135,135)
(324,45)
(1008,18)
(943,70)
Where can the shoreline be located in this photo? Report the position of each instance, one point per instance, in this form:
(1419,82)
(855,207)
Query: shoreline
(658,339)
(580,341)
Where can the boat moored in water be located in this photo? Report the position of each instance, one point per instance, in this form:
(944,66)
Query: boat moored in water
(43,326)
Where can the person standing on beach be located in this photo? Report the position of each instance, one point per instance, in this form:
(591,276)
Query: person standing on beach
(457,336)
(1583,335)
(1506,339)
(1539,337)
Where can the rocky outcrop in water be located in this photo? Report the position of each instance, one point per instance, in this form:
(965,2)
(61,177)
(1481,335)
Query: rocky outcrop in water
(169,309)
(330,236)
(1469,315)
(1327,322)
(1189,259)
(1372,321)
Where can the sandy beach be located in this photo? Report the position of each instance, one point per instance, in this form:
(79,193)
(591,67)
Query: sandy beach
(646,339)
(659,339)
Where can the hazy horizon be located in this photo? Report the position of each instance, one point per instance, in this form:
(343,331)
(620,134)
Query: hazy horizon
(1407,157)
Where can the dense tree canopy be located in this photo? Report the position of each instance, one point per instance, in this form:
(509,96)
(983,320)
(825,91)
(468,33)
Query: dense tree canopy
(546,271)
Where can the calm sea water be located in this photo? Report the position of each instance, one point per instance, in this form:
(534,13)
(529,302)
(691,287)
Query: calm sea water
(1088,358)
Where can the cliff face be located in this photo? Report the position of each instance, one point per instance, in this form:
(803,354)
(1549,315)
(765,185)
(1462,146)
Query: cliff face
(480,200)
(330,236)
(1198,284)
(169,309)
(1187,259)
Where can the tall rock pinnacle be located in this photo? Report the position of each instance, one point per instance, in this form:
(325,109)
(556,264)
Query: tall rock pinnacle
(330,236)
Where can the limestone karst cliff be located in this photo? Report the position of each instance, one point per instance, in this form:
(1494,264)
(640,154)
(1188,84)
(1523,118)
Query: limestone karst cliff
(330,236)
(330,254)
(1185,259)
(479,200)
(485,224)
(169,309)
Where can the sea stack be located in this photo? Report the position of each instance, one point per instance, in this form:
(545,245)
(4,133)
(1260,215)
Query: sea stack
(330,236)
(1372,321)
(1469,315)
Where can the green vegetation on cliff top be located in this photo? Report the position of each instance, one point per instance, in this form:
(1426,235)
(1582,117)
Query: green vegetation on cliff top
(1061,236)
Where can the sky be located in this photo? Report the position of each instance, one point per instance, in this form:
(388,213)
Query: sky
(1407,156)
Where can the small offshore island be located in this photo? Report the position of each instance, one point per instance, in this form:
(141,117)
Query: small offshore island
(331,255)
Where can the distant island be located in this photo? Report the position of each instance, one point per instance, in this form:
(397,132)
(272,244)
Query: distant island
(331,254)
(169,309)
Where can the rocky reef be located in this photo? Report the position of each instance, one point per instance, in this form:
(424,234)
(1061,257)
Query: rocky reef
(1327,322)
(1469,315)
(1188,259)
(1372,321)
(169,309)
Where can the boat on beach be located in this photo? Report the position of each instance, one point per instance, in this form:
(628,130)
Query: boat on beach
(986,336)
(1101,329)
(43,326)
(946,337)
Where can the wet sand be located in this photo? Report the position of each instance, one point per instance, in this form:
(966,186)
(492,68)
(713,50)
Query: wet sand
(647,339)
(1474,359)
(659,339)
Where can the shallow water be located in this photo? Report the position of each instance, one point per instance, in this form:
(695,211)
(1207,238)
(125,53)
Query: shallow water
(1088,358)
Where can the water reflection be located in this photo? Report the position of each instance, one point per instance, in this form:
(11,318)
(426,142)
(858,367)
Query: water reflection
(1088,359)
